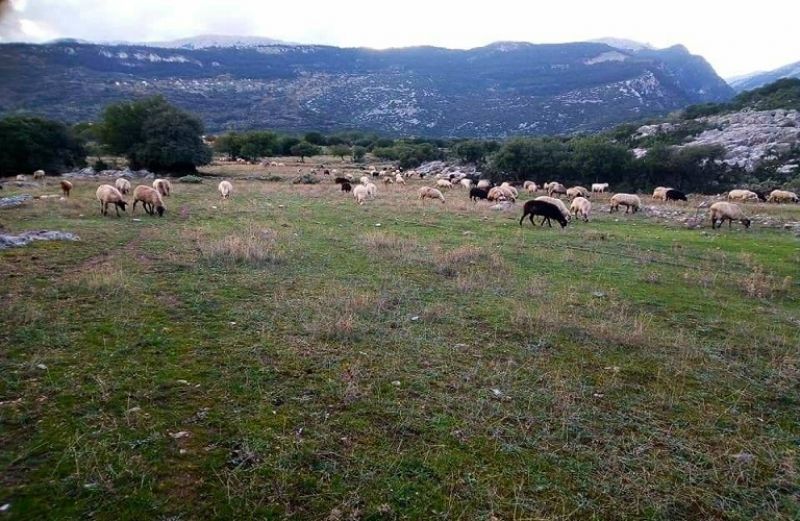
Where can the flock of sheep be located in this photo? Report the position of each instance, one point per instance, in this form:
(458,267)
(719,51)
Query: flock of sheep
(548,207)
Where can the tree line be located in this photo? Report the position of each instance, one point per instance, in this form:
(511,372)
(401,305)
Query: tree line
(153,134)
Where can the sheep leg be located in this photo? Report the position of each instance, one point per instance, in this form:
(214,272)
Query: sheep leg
(116,207)
(523,218)
(549,225)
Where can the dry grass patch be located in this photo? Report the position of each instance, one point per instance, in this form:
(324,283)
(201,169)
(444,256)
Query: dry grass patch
(253,247)
(451,262)
(759,284)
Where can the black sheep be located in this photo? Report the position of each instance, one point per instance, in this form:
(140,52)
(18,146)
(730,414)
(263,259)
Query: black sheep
(346,186)
(341,180)
(478,193)
(546,210)
(675,195)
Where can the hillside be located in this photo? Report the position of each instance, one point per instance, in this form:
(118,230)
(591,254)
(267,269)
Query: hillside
(497,90)
(759,79)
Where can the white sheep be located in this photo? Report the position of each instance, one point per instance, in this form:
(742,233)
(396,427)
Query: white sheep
(660,193)
(225,189)
(398,178)
(427,192)
(349,177)
(123,185)
(554,187)
(530,187)
(364,180)
(360,193)
(629,201)
(388,180)
(743,196)
(66,187)
(581,207)
(372,190)
(599,187)
(20,177)
(511,189)
(466,183)
(484,183)
(39,174)
(163,186)
(444,183)
(782,196)
(557,202)
(108,194)
(501,193)
(150,199)
(720,211)
(577,191)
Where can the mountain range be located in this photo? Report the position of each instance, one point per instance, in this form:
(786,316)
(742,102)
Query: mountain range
(506,88)
(759,79)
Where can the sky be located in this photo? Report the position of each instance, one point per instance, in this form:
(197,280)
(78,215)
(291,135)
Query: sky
(735,39)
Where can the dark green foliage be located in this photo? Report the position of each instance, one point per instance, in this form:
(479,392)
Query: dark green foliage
(339,150)
(30,143)
(359,153)
(100,165)
(315,138)
(473,150)
(305,149)
(153,134)
(782,94)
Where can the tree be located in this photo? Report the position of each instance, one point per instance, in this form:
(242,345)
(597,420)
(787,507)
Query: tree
(315,138)
(359,153)
(304,149)
(339,150)
(30,143)
(153,134)
(470,151)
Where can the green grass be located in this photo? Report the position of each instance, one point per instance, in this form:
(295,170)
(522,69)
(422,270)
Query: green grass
(447,364)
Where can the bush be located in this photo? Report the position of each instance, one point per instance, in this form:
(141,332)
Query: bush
(153,134)
(100,165)
(28,144)
(305,179)
(191,179)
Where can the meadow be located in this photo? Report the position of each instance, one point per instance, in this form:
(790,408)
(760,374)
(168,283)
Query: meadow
(288,354)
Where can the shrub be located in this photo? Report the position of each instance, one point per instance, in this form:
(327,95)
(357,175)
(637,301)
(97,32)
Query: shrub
(192,179)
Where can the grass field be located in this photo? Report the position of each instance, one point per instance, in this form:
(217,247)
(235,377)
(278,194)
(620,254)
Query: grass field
(291,355)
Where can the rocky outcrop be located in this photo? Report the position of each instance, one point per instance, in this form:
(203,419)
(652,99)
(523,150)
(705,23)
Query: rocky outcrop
(23,239)
(748,137)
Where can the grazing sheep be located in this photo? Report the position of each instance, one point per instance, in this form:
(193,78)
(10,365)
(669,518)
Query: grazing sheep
(581,207)
(484,183)
(674,195)
(782,196)
(660,193)
(577,191)
(163,186)
(360,193)
(501,193)
(39,174)
(444,183)
(720,211)
(426,192)
(20,177)
(599,187)
(66,187)
(398,178)
(346,187)
(150,199)
(466,183)
(340,180)
(225,189)
(349,177)
(108,194)
(742,196)
(372,190)
(510,188)
(364,180)
(388,180)
(555,188)
(546,210)
(558,203)
(629,201)
(123,185)
(478,193)
(530,187)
